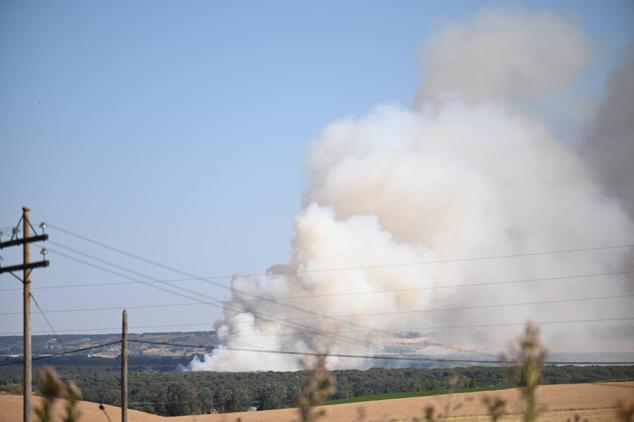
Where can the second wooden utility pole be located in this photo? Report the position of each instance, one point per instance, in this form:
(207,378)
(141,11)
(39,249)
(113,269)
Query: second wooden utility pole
(124,367)
(27,374)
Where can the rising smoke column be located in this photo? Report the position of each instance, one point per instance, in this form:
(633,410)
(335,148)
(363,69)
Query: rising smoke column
(468,173)
(609,146)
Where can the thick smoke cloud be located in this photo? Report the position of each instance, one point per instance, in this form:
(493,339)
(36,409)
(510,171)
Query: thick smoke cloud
(609,147)
(465,175)
(503,56)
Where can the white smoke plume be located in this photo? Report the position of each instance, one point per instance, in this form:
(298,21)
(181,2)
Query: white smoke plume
(503,56)
(465,175)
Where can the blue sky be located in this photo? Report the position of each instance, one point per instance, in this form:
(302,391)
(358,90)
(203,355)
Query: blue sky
(177,130)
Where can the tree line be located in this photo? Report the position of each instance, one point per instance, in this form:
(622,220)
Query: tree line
(173,393)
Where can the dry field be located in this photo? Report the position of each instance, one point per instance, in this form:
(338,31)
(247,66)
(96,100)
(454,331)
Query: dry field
(592,401)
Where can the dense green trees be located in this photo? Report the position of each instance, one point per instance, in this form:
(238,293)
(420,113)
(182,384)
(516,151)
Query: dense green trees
(273,396)
(205,400)
(181,399)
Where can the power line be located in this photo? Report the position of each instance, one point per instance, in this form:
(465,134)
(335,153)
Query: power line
(513,324)
(296,353)
(472,307)
(462,285)
(312,331)
(233,289)
(285,352)
(48,322)
(352,293)
(438,261)
(241,291)
(67,352)
(348,269)
(437,327)
(291,323)
(300,309)
(460,327)
(212,301)
(456,308)
(115,329)
(114,308)
(381,357)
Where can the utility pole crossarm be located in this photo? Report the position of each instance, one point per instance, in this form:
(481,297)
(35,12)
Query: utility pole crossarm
(24,267)
(27,267)
(21,241)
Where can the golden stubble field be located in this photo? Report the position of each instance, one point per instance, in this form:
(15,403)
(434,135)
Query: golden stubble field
(595,402)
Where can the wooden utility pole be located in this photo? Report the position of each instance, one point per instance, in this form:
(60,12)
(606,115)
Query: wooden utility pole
(124,367)
(27,266)
(27,372)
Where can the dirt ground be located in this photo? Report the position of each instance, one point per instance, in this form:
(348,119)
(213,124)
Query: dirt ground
(592,401)
(11,411)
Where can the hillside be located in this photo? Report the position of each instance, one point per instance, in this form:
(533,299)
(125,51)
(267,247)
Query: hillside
(11,346)
(593,401)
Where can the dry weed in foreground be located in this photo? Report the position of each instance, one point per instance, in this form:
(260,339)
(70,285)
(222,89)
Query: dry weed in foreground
(428,415)
(530,356)
(319,387)
(73,396)
(625,410)
(103,409)
(495,407)
(361,414)
(429,412)
(53,388)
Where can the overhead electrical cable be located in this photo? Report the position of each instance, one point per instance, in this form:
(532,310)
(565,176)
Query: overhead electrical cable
(114,308)
(365,267)
(65,353)
(297,353)
(194,295)
(422,310)
(225,304)
(468,326)
(354,293)
(379,357)
(399,330)
(364,343)
(48,322)
(300,309)
(489,306)
(114,330)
